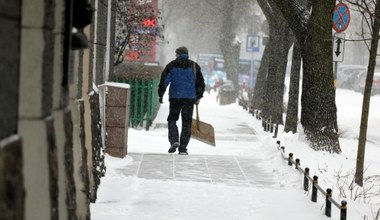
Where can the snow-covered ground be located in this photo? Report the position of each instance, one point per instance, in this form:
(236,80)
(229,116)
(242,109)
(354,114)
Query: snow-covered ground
(241,135)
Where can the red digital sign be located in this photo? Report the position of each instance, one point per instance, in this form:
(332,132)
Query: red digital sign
(149,23)
(142,46)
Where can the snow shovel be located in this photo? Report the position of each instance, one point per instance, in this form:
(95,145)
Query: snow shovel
(202,131)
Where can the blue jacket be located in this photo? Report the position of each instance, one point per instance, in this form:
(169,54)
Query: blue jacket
(184,83)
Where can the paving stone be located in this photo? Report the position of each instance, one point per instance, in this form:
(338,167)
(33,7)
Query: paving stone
(229,170)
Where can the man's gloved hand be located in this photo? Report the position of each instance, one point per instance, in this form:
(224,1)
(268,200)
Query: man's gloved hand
(160,100)
(197,101)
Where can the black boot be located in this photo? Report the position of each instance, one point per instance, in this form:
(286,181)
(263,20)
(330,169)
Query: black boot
(173,148)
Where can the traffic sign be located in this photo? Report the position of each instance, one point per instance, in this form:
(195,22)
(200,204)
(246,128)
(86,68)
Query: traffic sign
(341,17)
(338,52)
(253,43)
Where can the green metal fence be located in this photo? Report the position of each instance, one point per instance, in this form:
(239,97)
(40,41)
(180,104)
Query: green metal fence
(144,105)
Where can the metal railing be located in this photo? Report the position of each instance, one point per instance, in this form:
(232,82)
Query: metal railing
(267,124)
(315,187)
(144,103)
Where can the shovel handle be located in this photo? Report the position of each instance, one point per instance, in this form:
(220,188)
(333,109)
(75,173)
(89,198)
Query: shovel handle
(196,109)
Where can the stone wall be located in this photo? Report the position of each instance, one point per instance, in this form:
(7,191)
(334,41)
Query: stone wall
(35,105)
(50,136)
(12,191)
(9,55)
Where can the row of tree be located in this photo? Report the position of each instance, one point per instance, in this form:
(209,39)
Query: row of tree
(304,25)
(311,25)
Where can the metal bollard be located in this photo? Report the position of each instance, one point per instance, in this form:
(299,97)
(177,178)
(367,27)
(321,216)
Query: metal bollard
(298,163)
(269,121)
(306,179)
(328,202)
(290,158)
(263,122)
(278,145)
(275,132)
(343,210)
(314,190)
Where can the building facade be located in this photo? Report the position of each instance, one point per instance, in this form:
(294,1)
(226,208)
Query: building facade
(51,153)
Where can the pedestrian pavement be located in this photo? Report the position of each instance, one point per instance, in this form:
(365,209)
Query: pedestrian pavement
(235,179)
(231,129)
(229,170)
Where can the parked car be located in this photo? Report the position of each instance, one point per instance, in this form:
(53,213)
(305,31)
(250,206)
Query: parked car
(346,74)
(375,84)
(358,82)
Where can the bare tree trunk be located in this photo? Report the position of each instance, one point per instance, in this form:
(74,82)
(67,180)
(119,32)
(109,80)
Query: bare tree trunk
(260,84)
(318,114)
(285,39)
(367,97)
(294,88)
(271,74)
(269,89)
(292,109)
(272,106)
(229,48)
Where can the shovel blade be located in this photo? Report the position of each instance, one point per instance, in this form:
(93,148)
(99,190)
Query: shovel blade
(203,132)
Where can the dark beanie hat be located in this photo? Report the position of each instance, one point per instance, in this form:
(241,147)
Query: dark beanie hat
(181,50)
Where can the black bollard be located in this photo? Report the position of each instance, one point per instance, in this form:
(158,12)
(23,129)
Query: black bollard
(306,179)
(263,122)
(269,124)
(343,210)
(298,163)
(275,132)
(328,202)
(278,143)
(290,158)
(315,190)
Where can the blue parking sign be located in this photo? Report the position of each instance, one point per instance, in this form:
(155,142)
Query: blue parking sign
(253,43)
(341,17)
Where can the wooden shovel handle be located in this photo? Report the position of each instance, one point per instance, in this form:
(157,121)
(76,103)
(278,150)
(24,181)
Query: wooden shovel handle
(196,107)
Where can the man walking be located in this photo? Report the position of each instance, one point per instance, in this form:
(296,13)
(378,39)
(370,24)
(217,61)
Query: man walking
(186,89)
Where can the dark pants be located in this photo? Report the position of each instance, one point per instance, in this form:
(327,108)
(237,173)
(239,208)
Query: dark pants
(185,108)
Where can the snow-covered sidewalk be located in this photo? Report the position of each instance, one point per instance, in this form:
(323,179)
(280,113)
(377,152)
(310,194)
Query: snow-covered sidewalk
(243,177)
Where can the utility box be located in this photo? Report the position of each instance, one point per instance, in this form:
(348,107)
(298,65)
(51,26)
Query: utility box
(227,94)
(115,117)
